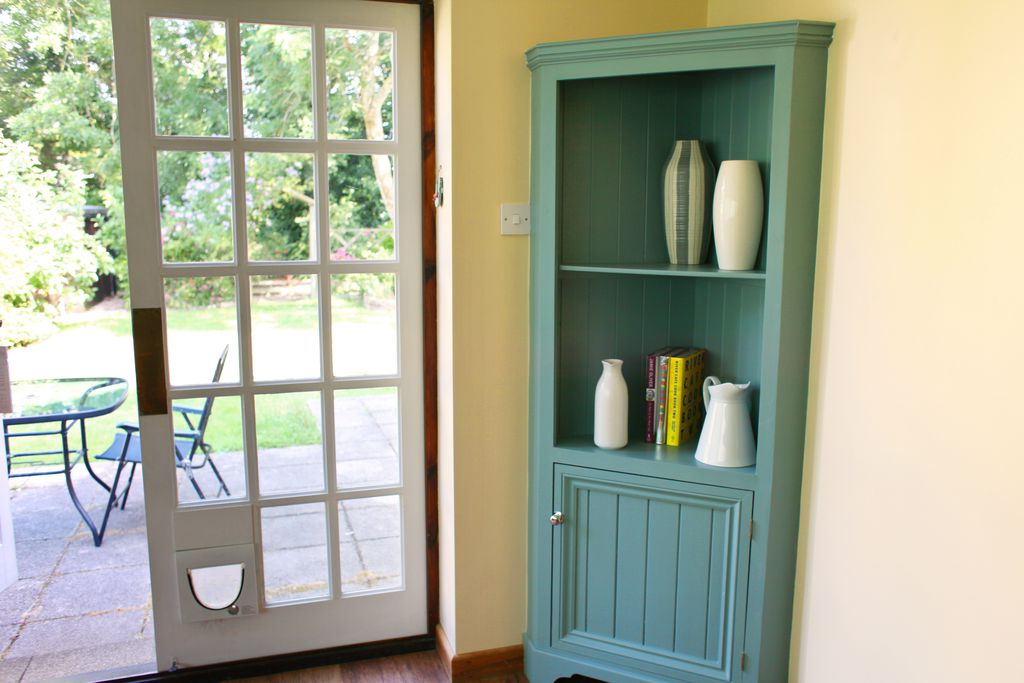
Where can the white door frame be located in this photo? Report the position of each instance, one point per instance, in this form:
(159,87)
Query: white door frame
(338,620)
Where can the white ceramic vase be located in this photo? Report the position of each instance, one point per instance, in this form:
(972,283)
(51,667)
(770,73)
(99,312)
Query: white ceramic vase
(611,406)
(736,213)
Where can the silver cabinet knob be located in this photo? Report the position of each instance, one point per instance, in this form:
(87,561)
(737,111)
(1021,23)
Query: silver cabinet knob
(557,519)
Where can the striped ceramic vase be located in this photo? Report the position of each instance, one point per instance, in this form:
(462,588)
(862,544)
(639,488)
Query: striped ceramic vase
(689,182)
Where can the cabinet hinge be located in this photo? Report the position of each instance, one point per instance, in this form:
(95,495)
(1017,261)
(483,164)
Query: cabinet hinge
(743,662)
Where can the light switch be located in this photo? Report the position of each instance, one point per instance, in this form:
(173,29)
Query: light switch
(515,219)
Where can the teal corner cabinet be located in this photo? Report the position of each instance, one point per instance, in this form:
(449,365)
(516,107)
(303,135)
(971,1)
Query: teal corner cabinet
(646,565)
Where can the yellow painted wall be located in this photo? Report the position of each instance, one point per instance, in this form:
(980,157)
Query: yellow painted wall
(483,311)
(911,564)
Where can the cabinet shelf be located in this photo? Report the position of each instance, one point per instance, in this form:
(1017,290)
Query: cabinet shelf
(665,269)
(638,457)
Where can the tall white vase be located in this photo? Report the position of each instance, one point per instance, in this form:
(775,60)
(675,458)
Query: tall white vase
(736,213)
(611,406)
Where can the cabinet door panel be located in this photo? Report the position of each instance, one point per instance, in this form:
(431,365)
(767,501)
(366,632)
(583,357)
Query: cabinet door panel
(650,573)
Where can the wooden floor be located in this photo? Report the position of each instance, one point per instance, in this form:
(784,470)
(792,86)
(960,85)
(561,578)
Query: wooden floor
(418,667)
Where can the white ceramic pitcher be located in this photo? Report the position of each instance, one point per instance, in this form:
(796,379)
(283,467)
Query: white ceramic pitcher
(727,439)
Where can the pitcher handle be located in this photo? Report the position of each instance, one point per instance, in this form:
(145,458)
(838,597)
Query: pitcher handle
(708,381)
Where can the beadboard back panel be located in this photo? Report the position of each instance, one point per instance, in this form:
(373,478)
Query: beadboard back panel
(627,317)
(617,134)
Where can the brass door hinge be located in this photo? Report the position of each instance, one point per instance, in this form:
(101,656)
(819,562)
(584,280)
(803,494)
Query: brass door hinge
(750,529)
(743,662)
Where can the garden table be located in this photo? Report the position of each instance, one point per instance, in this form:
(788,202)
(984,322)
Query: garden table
(63,403)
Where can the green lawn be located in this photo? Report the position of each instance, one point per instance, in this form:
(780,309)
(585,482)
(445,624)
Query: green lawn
(283,419)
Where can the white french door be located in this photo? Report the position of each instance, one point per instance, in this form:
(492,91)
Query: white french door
(271,161)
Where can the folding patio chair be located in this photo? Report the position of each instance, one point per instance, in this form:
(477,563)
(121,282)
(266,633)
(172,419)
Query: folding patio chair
(191,451)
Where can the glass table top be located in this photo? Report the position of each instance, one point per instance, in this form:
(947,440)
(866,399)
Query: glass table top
(42,400)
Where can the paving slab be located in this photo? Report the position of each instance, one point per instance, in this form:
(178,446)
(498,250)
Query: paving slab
(13,669)
(58,635)
(352,417)
(363,473)
(76,662)
(376,446)
(101,590)
(44,525)
(37,558)
(232,470)
(287,527)
(383,559)
(7,633)
(374,522)
(118,550)
(18,599)
(280,480)
(295,573)
(351,564)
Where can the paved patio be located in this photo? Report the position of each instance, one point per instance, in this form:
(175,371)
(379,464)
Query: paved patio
(77,608)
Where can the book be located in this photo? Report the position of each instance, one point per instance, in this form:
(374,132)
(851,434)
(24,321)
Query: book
(684,398)
(652,392)
(661,393)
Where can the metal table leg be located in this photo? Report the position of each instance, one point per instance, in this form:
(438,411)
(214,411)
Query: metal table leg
(97,537)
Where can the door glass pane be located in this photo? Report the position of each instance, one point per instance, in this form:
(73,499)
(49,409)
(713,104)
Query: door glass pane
(364,324)
(371,543)
(195,206)
(294,552)
(279,207)
(202,324)
(289,443)
(285,327)
(366,437)
(362,207)
(189,57)
(209,450)
(359,84)
(277,77)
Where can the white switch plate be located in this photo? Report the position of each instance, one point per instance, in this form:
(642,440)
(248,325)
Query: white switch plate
(515,219)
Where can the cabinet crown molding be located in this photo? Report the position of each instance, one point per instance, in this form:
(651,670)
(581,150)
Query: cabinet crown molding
(782,33)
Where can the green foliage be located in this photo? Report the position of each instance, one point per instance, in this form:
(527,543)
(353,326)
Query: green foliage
(356,59)
(195,206)
(49,261)
(279,197)
(57,95)
(190,57)
(277,81)
(57,85)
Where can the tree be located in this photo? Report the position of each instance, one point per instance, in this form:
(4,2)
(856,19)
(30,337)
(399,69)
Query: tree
(57,95)
(58,86)
(49,261)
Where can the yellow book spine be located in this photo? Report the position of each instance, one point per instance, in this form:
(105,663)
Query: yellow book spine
(673,401)
(692,397)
